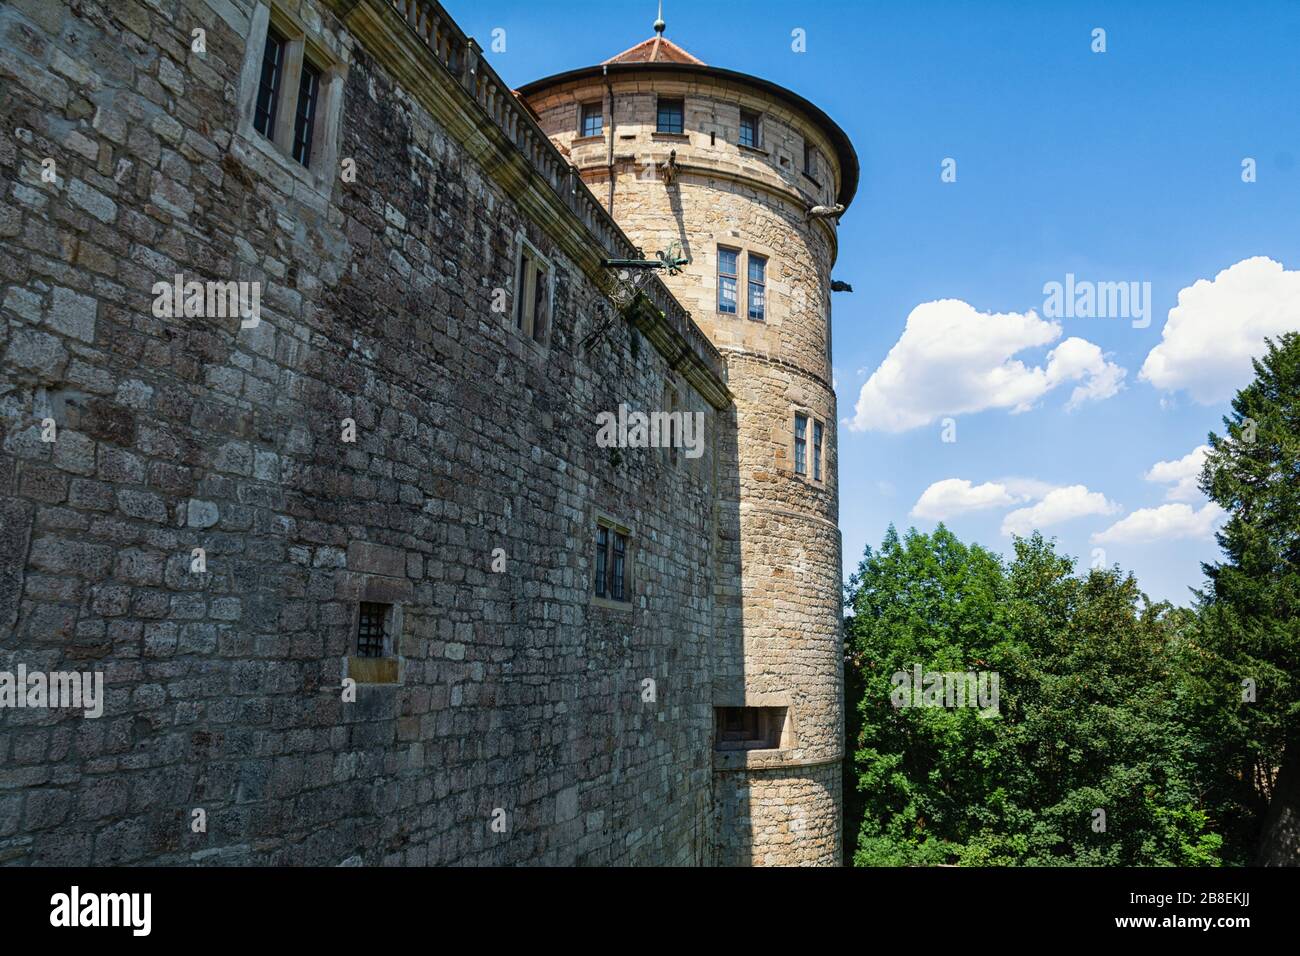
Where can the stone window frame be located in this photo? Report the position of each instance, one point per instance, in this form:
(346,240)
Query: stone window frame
(302,45)
(527,330)
(611,524)
(774,721)
(811,467)
(387,669)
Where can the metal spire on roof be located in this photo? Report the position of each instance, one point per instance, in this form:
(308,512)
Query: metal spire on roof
(659,20)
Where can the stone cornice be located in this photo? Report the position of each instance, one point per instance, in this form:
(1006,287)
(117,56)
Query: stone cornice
(421,47)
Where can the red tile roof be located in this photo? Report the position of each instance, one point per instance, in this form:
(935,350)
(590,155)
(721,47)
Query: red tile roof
(655,50)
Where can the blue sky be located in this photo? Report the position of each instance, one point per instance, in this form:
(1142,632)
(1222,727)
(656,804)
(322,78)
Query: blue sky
(1122,166)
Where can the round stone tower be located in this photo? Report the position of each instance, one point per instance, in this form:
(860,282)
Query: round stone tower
(748,180)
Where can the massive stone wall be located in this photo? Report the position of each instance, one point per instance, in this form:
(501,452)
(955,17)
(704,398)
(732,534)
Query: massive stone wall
(515,692)
(778,631)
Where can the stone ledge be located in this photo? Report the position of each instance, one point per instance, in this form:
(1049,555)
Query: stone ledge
(744,760)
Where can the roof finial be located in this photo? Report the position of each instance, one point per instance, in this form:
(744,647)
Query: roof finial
(659,21)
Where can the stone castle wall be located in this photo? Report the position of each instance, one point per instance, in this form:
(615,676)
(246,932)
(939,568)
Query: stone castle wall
(779,631)
(515,690)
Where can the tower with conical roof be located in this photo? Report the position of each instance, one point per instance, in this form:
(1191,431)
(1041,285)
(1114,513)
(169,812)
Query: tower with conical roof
(749,178)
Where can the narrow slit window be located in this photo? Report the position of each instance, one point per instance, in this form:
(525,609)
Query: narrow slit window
(757,287)
(602,556)
(817,450)
(618,576)
(800,444)
(728,278)
(268,87)
(670,116)
(749,129)
(305,118)
(370,629)
(674,437)
(541,298)
(532,306)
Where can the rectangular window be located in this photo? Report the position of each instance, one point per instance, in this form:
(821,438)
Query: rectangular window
(613,572)
(268,87)
(593,119)
(532,294)
(728,279)
(670,115)
(298,98)
(749,129)
(809,159)
(305,118)
(749,728)
(370,629)
(817,450)
(800,444)
(757,287)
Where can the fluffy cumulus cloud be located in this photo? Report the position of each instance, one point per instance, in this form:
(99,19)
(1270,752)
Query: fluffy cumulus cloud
(1219,325)
(1058,505)
(1181,474)
(955,496)
(952,359)
(1165,523)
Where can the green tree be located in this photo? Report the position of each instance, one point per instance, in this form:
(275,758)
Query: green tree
(1250,634)
(1090,716)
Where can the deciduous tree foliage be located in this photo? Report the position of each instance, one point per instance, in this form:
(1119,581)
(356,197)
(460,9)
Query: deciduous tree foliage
(1089,713)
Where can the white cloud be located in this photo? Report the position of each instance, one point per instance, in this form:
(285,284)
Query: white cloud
(953,360)
(954,496)
(1166,523)
(1219,325)
(1076,359)
(1181,473)
(1060,504)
